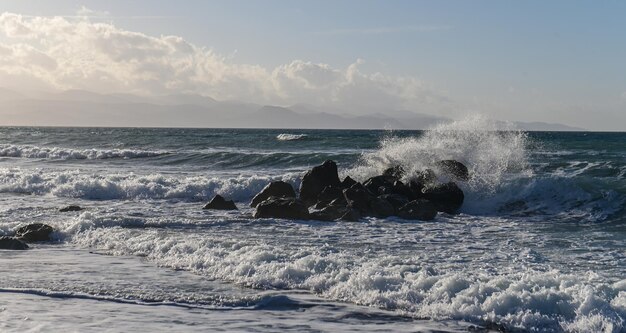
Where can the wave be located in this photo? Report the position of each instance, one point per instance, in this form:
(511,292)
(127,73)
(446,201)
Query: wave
(27,151)
(503,180)
(291,137)
(75,184)
(261,302)
(220,158)
(488,152)
(528,299)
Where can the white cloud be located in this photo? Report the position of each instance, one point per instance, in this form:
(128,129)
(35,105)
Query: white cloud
(88,12)
(66,53)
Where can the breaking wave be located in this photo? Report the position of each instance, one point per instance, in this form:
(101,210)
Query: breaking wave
(503,181)
(27,151)
(291,137)
(75,184)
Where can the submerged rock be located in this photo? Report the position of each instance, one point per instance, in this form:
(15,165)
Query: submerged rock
(418,210)
(278,189)
(446,197)
(34,232)
(70,208)
(454,168)
(12,243)
(316,179)
(284,208)
(219,203)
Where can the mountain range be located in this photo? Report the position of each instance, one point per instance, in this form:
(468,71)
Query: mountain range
(85,108)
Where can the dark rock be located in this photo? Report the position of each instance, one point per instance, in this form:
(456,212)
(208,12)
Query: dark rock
(395,172)
(284,208)
(316,179)
(425,177)
(446,197)
(278,189)
(12,243)
(396,200)
(453,168)
(219,203)
(35,232)
(374,184)
(341,201)
(416,188)
(421,180)
(418,210)
(351,215)
(330,193)
(399,188)
(71,208)
(329,213)
(358,198)
(320,205)
(348,182)
(380,207)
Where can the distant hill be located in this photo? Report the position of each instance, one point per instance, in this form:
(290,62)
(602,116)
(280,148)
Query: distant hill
(539,126)
(84,108)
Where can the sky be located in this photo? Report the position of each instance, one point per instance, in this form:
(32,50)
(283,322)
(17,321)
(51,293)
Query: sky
(550,61)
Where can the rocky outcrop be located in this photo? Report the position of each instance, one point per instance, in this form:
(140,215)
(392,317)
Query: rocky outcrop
(380,207)
(70,208)
(358,197)
(283,208)
(379,184)
(446,197)
(454,169)
(351,215)
(34,232)
(329,213)
(330,193)
(348,182)
(219,203)
(379,196)
(396,200)
(12,243)
(395,172)
(279,189)
(418,210)
(316,179)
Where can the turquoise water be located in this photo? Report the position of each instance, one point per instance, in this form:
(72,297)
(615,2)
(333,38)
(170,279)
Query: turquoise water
(539,243)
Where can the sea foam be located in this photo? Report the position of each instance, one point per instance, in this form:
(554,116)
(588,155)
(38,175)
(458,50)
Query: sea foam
(528,299)
(93,186)
(29,151)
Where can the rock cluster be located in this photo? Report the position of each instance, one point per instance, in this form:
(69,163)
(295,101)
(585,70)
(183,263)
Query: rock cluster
(31,233)
(323,196)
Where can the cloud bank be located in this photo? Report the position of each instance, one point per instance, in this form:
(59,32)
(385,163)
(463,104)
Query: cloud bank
(63,53)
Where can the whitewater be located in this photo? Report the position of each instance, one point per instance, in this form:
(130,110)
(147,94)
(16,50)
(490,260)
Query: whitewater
(538,245)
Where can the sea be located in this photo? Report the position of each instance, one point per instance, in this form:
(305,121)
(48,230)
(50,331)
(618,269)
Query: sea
(539,244)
